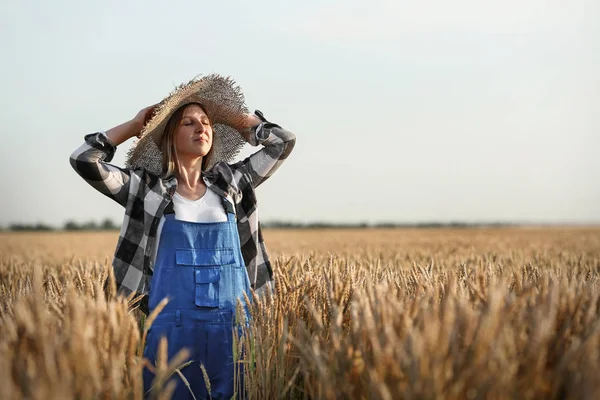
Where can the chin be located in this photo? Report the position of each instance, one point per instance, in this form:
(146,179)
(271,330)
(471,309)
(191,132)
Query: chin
(204,152)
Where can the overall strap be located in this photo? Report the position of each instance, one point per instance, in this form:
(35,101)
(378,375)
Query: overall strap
(228,209)
(169,208)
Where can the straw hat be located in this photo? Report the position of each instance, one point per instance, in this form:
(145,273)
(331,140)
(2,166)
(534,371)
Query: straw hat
(223,102)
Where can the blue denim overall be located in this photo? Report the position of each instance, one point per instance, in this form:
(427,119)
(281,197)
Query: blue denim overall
(199,266)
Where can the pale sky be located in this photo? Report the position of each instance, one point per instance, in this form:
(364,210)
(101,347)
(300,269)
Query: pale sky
(404,111)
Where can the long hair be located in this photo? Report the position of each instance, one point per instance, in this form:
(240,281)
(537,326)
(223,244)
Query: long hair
(167,142)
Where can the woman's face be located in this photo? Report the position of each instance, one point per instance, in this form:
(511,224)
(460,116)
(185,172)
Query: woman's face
(194,134)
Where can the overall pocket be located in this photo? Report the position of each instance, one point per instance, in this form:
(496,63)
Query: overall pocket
(206,264)
(207,286)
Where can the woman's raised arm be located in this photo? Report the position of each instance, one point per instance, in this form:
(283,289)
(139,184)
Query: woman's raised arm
(91,159)
(278,144)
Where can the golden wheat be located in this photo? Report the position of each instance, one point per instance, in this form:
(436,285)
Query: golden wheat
(366,314)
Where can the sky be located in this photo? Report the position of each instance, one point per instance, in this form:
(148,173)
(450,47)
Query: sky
(404,111)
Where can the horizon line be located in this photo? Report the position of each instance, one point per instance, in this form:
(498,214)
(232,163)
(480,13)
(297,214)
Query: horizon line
(281,224)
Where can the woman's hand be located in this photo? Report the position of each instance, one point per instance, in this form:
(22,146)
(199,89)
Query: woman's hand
(252,121)
(131,128)
(249,121)
(142,118)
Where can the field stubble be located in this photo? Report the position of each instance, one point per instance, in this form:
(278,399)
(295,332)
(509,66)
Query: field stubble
(399,313)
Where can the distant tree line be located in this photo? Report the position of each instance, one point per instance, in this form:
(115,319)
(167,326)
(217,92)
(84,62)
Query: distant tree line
(108,224)
(104,225)
(32,227)
(360,225)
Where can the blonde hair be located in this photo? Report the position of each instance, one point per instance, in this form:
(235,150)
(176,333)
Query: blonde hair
(167,142)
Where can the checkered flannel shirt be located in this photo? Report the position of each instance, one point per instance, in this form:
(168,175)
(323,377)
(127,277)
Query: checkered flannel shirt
(145,197)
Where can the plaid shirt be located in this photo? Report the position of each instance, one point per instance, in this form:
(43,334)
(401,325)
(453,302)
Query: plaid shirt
(145,197)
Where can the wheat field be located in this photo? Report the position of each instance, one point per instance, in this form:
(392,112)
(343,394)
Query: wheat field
(358,314)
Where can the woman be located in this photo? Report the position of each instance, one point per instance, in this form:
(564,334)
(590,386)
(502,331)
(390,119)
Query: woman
(191,229)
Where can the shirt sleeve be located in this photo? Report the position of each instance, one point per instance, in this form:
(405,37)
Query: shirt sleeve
(278,144)
(91,162)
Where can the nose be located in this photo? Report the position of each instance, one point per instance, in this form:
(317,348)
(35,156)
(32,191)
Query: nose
(200,128)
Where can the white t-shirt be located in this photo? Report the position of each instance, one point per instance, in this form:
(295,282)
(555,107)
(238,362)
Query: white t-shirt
(208,208)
